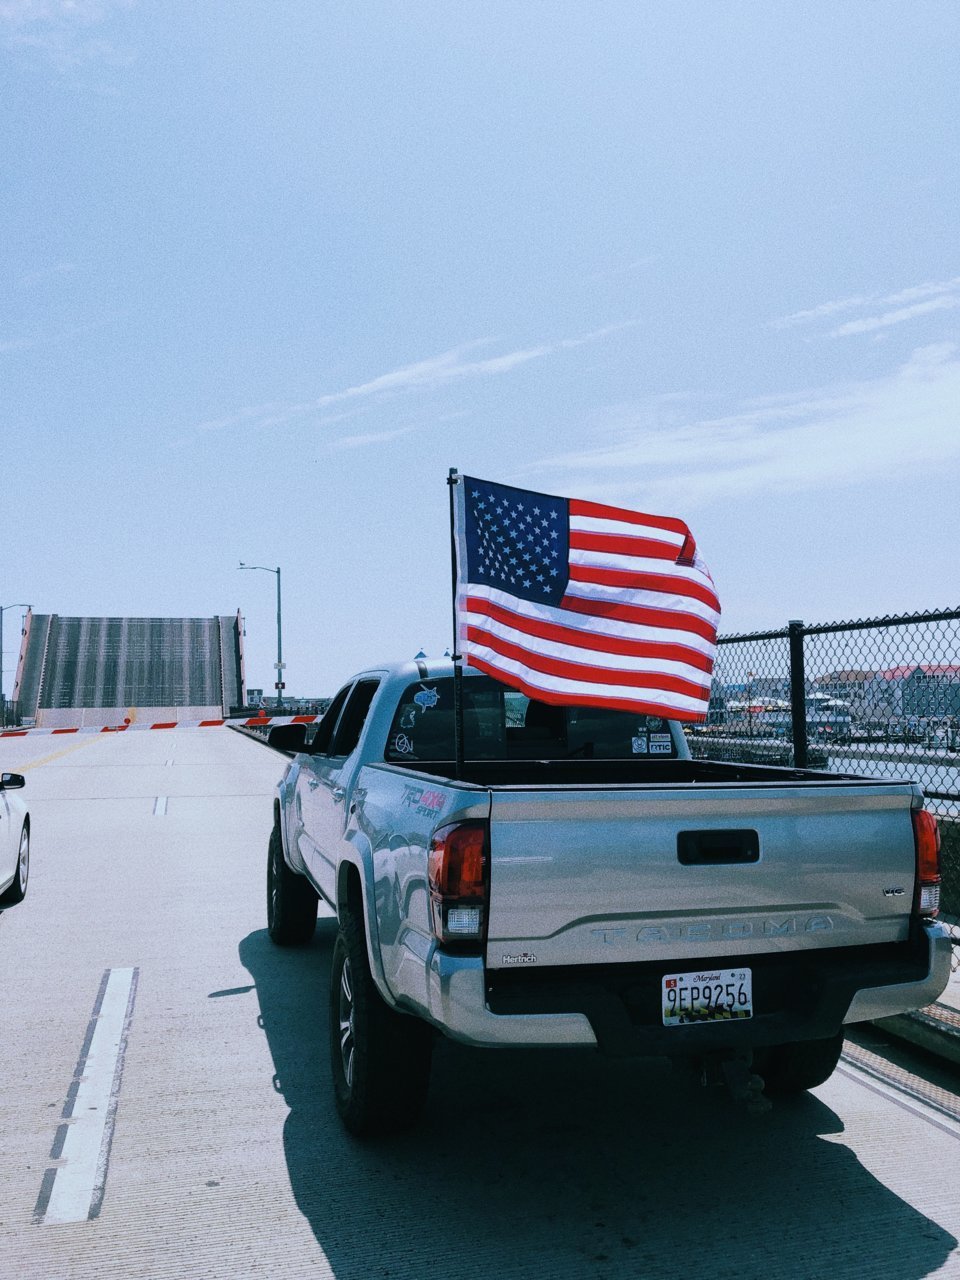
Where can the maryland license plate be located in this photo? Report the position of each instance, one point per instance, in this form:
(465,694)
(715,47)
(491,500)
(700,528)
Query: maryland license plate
(715,995)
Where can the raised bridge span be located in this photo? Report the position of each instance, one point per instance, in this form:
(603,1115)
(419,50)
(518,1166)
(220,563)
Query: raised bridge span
(165,1109)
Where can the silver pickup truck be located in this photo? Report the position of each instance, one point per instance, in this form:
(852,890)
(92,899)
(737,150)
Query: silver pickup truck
(581,881)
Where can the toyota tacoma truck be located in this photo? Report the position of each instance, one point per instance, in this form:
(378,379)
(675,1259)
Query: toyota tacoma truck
(580,880)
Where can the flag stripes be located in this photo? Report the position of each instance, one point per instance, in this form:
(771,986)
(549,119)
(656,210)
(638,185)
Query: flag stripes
(681,589)
(544,660)
(667,619)
(573,693)
(478,608)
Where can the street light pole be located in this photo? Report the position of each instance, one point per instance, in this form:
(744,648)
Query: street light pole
(279,629)
(3,701)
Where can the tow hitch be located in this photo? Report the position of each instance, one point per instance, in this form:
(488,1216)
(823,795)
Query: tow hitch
(735,1070)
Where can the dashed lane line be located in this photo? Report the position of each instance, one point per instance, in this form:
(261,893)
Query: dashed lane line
(73,1187)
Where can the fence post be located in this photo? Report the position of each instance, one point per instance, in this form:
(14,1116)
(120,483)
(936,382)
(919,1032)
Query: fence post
(798,694)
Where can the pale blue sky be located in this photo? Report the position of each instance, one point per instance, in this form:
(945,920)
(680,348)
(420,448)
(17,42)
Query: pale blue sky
(269,270)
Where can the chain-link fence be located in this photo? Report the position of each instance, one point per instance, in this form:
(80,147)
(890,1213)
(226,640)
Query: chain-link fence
(878,697)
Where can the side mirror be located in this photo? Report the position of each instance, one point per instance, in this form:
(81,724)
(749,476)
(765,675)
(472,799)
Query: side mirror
(12,781)
(288,737)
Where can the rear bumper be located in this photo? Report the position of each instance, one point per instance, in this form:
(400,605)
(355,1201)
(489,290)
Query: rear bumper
(797,996)
(903,997)
(458,1006)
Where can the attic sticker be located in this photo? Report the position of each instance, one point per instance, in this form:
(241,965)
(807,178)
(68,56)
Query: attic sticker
(426,698)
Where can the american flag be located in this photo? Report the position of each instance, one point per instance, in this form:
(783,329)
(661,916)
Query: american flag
(583,604)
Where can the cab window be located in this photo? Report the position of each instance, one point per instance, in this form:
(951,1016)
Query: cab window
(351,722)
(324,734)
(504,724)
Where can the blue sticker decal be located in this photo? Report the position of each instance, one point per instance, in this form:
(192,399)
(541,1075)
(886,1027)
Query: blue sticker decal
(426,698)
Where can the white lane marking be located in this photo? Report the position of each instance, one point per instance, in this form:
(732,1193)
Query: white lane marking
(73,1191)
(160,806)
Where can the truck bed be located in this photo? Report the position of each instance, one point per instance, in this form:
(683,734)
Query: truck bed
(640,772)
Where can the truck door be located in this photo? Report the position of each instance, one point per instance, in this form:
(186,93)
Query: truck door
(301,828)
(325,785)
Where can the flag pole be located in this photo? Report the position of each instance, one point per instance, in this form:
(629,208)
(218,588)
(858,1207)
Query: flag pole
(453,479)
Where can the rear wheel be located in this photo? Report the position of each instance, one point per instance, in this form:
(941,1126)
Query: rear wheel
(792,1068)
(380,1059)
(291,899)
(17,891)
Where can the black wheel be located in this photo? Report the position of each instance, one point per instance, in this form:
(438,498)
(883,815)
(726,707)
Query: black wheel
(380,1059)
(291,899)
(17,891)
(791,1068)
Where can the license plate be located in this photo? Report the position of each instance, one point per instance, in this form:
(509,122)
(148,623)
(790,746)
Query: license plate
(715,995)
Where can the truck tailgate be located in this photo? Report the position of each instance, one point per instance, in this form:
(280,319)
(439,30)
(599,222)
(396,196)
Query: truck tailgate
(610,874)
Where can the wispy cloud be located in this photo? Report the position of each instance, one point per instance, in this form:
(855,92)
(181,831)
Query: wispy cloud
(40,341)
(457,364)
(624,269)
(894,308)
(946,302)
(57,270)
(65,33)
(372,437)
(838,436)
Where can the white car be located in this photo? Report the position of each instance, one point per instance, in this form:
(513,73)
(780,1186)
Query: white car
(14,841)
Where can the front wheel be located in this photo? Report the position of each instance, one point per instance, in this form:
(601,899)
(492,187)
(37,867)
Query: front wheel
(379,1059)
(792,1068)
(291,899)
(17,891)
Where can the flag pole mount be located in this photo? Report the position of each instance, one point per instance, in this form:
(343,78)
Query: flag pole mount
(453,479)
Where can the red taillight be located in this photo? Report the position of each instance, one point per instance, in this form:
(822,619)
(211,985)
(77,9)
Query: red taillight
(926,836)
(458,882)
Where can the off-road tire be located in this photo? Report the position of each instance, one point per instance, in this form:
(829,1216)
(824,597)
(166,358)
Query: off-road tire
(379,1059)
(291,899)
(17,891)
(789,1069)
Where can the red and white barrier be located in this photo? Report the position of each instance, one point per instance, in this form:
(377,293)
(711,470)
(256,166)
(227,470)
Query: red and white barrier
(252,722)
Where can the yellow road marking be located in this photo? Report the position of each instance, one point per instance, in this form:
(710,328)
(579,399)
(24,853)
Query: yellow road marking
(56,755)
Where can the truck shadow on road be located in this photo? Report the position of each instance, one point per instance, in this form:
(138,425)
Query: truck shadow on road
(533,1163)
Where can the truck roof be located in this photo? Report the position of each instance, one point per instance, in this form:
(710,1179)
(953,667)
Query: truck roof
(418,669)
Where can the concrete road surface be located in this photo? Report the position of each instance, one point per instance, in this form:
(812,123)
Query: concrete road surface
(166,1111)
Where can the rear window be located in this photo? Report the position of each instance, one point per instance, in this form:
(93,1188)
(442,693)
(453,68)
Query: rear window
(503,724)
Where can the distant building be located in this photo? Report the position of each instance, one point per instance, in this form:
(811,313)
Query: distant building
(311,706)
(932,690)
(103,671)
(918,689)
